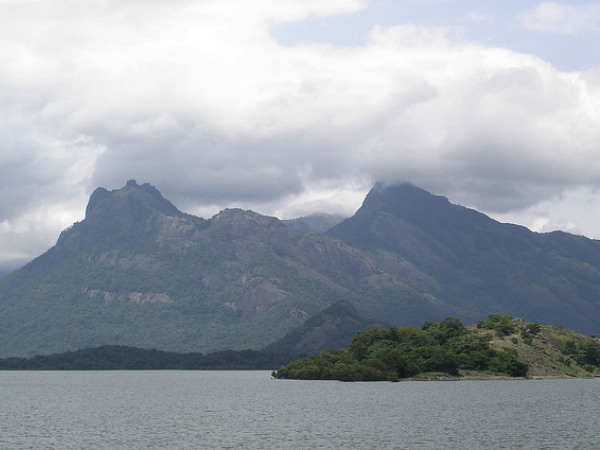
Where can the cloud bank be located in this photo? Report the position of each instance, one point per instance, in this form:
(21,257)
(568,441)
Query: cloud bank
(198,98)
(561,18)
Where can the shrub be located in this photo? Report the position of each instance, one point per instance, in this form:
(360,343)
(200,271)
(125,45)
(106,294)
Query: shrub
(503,325)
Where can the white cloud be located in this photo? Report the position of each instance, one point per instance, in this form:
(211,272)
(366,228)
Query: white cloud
(27,235)
(198,99)
(576,211)
(562,18)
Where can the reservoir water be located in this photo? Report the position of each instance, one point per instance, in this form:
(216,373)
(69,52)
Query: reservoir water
(249,410)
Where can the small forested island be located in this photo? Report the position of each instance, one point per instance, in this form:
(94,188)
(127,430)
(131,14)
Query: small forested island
(498,347)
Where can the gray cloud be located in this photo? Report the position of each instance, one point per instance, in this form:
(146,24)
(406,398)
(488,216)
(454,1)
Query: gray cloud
(199,100)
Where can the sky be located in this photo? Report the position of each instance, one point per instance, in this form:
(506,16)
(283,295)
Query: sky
(290,107)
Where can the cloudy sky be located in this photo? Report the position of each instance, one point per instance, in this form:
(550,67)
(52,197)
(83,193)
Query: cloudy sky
(289,107)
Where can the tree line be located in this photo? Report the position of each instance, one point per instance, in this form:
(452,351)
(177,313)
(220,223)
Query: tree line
(119,357)
(392,354)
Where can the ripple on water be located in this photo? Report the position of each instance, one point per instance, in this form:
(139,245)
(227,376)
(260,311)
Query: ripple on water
(249,410)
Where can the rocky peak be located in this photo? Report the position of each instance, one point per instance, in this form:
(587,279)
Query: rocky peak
(121,215)
(403,199)
(127,200)
(234,223)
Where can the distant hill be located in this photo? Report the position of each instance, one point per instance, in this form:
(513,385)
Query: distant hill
(499,346)
(475,264)
(138,272)
(315,223)
(332,328)
(119,357)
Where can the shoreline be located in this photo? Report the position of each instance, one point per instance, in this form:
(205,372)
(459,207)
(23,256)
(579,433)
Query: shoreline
(497,378)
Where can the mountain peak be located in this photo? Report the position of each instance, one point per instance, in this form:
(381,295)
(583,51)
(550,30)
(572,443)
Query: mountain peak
(130,198)
(120,215)
(402,198)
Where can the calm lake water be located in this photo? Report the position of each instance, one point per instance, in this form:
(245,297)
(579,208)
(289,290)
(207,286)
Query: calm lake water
(249,410)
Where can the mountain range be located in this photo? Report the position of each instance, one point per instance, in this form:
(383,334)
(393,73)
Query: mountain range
(139,272)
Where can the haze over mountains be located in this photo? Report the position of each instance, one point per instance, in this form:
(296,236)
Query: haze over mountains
(137,271)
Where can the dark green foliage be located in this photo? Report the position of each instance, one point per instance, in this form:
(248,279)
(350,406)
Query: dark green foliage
(506,362)
(396,353)
(116,357)
(445,330)
(566,361)
(502,324)
(583,352)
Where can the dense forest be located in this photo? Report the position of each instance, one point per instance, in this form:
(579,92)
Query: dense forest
(499,346)
(392,354)
(113,357)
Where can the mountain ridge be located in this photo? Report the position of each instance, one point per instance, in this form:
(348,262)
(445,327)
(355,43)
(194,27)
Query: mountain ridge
(469,259)
(139,272)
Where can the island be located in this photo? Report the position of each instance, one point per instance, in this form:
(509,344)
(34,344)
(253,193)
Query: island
(500,347)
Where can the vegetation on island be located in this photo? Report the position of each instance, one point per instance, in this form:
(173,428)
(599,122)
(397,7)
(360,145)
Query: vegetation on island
(395,353)
(500,346)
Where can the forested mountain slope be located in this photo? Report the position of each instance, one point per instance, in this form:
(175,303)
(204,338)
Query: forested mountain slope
(139,272)
(476,264)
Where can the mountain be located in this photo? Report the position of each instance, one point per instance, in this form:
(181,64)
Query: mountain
(474,263)
(138,272)
(315,223)
(332,328)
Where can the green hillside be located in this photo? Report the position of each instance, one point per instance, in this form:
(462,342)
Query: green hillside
(500,346)
(332,328)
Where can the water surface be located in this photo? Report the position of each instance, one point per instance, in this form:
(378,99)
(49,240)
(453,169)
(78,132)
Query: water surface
(249,410)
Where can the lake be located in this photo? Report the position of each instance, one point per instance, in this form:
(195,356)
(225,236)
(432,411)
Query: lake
(249,410)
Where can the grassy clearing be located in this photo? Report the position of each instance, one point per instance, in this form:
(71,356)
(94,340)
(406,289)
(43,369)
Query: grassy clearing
(543,350)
